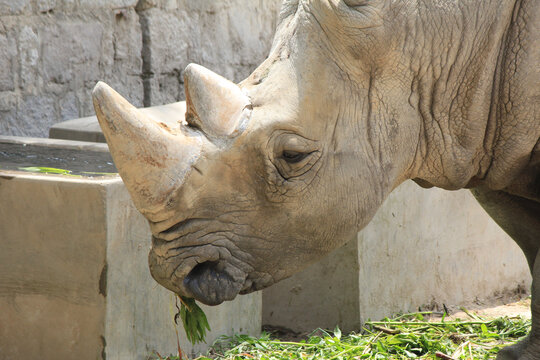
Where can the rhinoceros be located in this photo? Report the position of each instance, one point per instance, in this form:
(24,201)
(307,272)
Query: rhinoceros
(266,176)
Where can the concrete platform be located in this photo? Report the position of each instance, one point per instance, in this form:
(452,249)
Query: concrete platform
(83,129)
(87,129)
(74,279)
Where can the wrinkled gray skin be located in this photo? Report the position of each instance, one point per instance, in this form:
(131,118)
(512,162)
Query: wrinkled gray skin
(355,97)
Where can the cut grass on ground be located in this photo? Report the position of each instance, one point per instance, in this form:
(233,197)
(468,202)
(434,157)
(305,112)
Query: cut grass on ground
(408,336)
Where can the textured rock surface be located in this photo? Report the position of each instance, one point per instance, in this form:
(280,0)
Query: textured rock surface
(52,52)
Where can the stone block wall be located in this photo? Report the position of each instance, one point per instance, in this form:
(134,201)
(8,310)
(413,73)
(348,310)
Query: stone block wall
(52,52)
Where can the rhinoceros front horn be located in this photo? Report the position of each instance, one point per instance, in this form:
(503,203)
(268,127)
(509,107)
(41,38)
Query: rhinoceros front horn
(151,160)
(214,104)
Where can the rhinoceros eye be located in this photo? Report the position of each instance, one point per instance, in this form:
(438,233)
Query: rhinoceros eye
(293,157)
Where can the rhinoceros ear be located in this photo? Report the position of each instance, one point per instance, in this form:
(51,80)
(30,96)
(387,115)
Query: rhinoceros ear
(214,104)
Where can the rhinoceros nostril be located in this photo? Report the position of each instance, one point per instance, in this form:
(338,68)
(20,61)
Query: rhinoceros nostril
(210,283)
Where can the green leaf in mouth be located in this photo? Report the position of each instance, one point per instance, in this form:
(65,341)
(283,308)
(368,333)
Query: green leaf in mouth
(193,318)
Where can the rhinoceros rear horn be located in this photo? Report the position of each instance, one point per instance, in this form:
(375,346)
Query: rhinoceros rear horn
(151,160)
(214,104)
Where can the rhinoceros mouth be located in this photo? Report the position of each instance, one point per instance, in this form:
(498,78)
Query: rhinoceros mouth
(201,272)
(197,258)
(212,282)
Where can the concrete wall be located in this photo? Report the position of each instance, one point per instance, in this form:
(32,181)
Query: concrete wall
(52,52)
(423,248)
(49,279)
(430,247)
(74,277)
(324,295)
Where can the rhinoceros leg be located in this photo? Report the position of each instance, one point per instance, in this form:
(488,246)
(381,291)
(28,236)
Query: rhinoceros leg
(520,218)
(529,348)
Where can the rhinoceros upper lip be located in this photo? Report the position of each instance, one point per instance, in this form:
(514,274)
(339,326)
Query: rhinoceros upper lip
(212,284)
(207,269)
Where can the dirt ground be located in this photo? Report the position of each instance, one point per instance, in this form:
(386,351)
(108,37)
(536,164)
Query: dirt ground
(518,308)
(514,302)
(511,304)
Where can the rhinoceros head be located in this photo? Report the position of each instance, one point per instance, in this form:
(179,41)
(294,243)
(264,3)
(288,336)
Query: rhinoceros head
(264,177)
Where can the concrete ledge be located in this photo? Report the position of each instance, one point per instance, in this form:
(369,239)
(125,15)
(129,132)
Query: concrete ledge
(84,129)
(55,143)
(74,277)
(87,129)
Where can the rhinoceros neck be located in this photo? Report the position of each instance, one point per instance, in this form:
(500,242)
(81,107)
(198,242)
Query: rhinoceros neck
(460,62)
(513,137)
